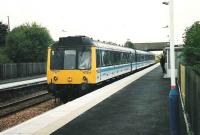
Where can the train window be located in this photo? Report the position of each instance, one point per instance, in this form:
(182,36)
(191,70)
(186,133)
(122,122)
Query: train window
(129,57)
(69,59)
(107,58)
(142,57)
(84,59)
(133,57)
(122,58)
(57,59)
(98,58)
(138,58)
(126,57)
(112,57)
(118,58)
(103,58)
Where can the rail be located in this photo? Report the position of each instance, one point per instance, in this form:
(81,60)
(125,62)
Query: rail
(22,103)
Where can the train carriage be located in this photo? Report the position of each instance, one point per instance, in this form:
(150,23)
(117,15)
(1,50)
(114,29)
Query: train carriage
(113,61)
(75,63)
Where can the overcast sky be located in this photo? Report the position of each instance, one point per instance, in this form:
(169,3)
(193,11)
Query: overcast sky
(109,20)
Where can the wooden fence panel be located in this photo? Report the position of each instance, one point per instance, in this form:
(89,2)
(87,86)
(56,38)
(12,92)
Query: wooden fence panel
(13,70)
(190,88)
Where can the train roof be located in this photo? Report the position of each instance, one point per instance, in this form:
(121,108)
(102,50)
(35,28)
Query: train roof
(75,41)
(86,41)
(112,47)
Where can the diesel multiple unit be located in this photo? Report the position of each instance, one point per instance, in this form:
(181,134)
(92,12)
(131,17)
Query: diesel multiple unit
(77,63)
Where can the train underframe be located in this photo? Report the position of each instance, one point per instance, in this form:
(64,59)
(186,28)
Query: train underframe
(65,92)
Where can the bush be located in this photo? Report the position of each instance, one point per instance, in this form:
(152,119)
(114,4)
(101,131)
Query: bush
(191,50)
(129,44)
(28,43)
(3,57)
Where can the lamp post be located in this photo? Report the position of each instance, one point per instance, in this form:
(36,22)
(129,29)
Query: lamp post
(173,95)
(8,23)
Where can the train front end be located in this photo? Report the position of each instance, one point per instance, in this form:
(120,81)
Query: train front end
(71,66)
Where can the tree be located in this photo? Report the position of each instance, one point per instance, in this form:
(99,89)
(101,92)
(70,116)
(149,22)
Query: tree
(28,43)
(3,57)
(3,33)
(129,44)
(191,50)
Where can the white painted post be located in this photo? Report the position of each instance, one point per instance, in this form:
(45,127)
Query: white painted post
(172,53)
(173,95)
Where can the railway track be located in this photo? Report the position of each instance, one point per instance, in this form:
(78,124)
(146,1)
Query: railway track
(15,105)
(34,98)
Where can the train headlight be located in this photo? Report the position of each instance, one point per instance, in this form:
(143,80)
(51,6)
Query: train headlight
(55,78)
(85,79)
(69,79)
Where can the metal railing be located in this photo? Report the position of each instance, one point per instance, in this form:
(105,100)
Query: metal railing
(18,70)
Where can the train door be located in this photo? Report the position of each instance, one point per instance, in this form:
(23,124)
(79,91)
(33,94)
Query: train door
(98,65)
(131,60)
(134,65)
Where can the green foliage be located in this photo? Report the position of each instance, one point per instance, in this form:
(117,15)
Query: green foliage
(196,68)
(28,43)
(129,44)
(3,33)
(3,57)
(191,50)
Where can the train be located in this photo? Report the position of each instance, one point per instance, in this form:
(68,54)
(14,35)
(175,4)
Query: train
(76,63)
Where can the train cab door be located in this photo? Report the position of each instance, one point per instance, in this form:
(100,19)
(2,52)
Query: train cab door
(98,64)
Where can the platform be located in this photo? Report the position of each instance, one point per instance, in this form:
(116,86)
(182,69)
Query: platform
(14,83)
(141,108)
(21,79)
(134,105)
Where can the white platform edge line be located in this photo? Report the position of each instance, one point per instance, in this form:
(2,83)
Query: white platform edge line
(54,119)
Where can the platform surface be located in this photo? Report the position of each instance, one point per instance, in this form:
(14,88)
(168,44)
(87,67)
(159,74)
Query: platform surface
(19,82)
(21,79)
(141,108)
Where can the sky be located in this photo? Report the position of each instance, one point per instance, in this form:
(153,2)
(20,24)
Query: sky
(106,20)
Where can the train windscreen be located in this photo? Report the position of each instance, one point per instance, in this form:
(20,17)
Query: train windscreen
(70,59)
(84,59)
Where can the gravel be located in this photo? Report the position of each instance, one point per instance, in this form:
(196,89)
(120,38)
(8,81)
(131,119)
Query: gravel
(28,113)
